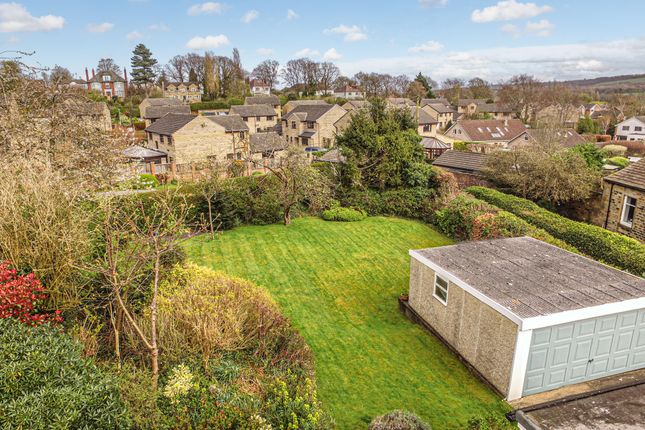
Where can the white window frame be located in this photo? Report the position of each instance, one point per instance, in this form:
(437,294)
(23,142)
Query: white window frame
(623,213)
(435,286)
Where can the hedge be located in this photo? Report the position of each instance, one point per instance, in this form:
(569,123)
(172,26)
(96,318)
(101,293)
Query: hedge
(343,214)
(611,248)
(416,203)
(215,104)
(468,218)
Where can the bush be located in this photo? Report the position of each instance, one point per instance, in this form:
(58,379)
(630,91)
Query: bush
(490,422)
(45,383)
(398,420)
(416,203)
(343,214)
(146,181)
(468,218)
(612,248)
(621,162)
(615,150)
(22,297)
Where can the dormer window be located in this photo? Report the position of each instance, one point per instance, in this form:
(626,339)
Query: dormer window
(106,78)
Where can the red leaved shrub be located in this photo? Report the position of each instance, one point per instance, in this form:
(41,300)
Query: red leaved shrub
(21,297)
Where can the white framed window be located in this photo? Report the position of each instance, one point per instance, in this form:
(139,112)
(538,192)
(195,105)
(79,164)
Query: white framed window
(629,209)
(440,291)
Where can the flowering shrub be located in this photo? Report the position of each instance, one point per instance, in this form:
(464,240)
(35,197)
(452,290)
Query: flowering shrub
(22,297)
(292,404)
(179,383)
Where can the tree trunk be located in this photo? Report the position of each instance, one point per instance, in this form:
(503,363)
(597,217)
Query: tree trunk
(154,349)
(210,218)
(287,215)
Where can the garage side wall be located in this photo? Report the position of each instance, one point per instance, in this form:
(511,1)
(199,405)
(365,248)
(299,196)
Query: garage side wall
(483,336)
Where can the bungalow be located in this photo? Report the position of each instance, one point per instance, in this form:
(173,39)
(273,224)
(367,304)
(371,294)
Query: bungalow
(567,137)
(189,138)
(491,133)
(187,92)
(348,92)
(259,88)
(529,317)
(259,118)
(312,125)
(467,167)
(624,200)
(631,129)
(274,101)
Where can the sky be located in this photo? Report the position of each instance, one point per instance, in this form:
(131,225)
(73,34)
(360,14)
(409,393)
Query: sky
(492,39)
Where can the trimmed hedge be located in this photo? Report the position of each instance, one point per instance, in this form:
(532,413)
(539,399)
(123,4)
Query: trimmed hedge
(415,203)
(467,218)
(603,245)
(343,214)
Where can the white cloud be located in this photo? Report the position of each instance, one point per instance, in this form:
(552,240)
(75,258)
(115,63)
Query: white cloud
(291,15)
(208,7)
(307,52)
(159,27)
(541,28)
(332,55)
(547,62)
(265,52)
(431,3)
(100,28)
(207,42)
(133,35)
(14,17)
(250,16)
(352,33)
(511,29)
(429,46)
(508,10)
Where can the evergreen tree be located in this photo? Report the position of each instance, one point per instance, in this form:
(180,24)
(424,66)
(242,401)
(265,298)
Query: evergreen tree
(426,85)
(143,66)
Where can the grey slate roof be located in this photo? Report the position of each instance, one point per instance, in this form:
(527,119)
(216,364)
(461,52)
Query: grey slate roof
(98,77)
(310,112)
(425,117)
(465,161)
(262,100)
(632,176)
(439,107)
(229,122)
(163,101)
(532,278)
(252,110)
(267,142)
(493,107)
(170,123)
(153,112)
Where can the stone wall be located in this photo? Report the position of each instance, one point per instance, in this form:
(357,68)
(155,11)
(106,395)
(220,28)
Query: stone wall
(482,336)
(612,204)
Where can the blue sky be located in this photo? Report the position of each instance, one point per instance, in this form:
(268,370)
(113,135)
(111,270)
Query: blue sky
(553,39)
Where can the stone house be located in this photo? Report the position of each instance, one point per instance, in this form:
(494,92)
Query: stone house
(190,139)
(631,129)
(259,88)
(292,104)
(312,125)
(259,118)
(274,101)
(266,147)
(153,109)
(469,106)
(491,134)
(159,101)
(495,111)
(526,316)
(623,201)
(444,114)
(187,92)
(563,115)
(427,124)
(567,137)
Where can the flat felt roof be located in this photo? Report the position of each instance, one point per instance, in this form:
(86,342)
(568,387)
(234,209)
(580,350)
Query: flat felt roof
(532,278)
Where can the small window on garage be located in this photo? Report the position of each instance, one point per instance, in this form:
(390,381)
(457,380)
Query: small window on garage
(629,208)
(441,289)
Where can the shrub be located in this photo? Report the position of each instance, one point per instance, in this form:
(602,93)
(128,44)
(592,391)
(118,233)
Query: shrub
(612,248)
(592,154)
(621,162)
(45,383)
(615,150)
(22,297)
(343,214)
(146,181)
(398,420)
(490,422)
(468,218)
(414,203)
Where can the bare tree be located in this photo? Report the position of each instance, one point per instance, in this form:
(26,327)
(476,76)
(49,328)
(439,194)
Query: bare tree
(195,63)
(294,72)
(416,91)
(563,103)
(480,89)
(453,89)
(59,75)
(267,72)
(523,94)
(108,65)
(177,69)
(327,75)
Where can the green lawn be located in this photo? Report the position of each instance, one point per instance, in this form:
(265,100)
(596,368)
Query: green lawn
(339,283)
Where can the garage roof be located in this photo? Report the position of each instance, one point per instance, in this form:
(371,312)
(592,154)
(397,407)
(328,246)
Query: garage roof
(531,278)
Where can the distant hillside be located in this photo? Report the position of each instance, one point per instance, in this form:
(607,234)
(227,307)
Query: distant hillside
(613,84)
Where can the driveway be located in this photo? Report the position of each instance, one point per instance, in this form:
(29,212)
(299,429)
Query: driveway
(621,409)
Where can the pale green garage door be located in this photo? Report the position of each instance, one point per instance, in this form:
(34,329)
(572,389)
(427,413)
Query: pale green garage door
(588,349)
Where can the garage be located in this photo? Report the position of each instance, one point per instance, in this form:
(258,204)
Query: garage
(527,316)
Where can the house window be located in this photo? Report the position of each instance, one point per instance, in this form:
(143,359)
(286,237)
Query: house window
(293,124)
(169,140)
(629,208)
(426,127)
(106,78)
(161,139)
(440,289)
(270,118)
(638,128)
(311,124)
(626,127)
(241,135)
(245,118)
